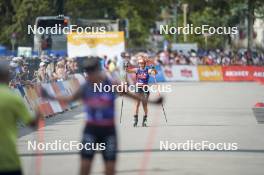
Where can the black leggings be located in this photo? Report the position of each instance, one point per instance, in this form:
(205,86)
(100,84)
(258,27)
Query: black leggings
(100,135)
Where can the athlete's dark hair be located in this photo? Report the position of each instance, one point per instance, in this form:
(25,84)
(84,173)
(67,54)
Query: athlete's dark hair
(91,64)
(4,72)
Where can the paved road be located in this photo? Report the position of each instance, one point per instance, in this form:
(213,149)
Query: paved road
(214,112)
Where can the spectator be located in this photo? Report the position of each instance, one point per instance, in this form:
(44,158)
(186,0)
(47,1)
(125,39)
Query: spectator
(49,42)
(112,65)
(42,76)
(50,68)
(226,61)
(193,59)
(182,60)
(60,71)
(71,66)
(24,76)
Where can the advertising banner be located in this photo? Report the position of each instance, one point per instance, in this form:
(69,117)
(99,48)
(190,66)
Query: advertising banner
(24,51)
(168,73)
(210,73)
(96,44)
(181,73)
(237,73)
(257,73)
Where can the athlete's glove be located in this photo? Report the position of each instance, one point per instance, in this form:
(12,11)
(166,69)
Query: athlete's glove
(159,100)
(153,70)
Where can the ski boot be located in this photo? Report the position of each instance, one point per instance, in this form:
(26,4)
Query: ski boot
(144,123)
(135,120)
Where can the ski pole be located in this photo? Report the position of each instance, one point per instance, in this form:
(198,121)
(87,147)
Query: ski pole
(122,103)
(161,103)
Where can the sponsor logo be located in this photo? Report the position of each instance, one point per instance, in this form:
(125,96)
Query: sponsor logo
(258,74)
(186,73)
(211,73)
(237,73)
(168,73)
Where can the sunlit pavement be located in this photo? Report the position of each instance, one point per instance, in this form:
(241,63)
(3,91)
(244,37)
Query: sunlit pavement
(214,112)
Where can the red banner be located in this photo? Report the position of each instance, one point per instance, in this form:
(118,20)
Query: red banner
(236,73)
(243,73)
(258,73)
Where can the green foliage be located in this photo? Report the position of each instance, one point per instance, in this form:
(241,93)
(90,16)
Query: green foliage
(226,13)
(140,17)
(211,17)
(141,14)
(19,14)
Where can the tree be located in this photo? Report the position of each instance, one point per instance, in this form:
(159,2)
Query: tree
(141,14)
(20,14)
(17,14)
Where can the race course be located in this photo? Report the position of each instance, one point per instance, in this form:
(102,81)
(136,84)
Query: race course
(214,112)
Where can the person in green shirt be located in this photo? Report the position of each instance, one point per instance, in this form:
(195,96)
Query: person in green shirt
(12,110)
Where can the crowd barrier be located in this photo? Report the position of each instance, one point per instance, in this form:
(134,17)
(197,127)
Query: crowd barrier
(32,97)
(210,73)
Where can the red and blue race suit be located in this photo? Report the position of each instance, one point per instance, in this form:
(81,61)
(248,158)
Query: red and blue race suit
(142,78)
(99,106)
(100,128)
